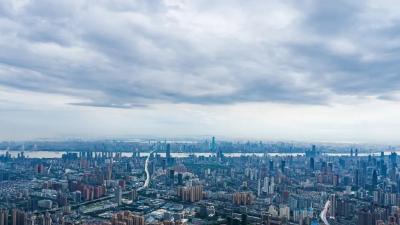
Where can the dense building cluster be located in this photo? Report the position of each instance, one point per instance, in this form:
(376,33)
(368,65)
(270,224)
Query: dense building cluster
(164,183)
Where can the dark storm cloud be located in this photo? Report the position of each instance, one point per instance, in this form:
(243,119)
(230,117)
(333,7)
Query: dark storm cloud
(133,54)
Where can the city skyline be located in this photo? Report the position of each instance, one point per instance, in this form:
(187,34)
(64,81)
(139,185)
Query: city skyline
(271,70)
(153,186)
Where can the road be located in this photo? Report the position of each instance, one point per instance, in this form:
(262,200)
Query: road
(146,170)
(145,185)
(324,212)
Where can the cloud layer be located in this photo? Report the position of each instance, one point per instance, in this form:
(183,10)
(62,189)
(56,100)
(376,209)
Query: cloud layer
(127,54)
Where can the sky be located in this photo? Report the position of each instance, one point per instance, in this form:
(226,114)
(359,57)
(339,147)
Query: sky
(319,71)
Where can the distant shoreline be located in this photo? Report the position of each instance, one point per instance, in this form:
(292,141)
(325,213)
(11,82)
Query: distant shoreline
(177,154)
(189,152)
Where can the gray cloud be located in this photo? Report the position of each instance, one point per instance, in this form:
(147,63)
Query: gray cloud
(133,54)
(108,105)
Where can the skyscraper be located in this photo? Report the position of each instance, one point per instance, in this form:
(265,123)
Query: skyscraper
(374,179)
(118,195)
(109,170)
(168,152)
(171,177)
(213,146)
(312,163)
(180,179)
(133,195)
(128,218)
(18,217)
(393,159)
(271,165)
(3,217)
(242,198)
(47,219)
(332,209)
(356,177)
(190,194)
(244,219)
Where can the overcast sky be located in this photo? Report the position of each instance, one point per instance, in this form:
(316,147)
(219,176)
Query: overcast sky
(269,70)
